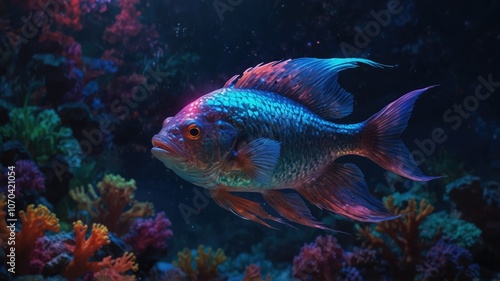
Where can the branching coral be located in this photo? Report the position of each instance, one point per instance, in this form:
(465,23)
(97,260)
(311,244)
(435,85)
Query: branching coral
(42,135)
(84,249)
(115,193)
(205,265)
(117,269)
(35,221)
(403,232)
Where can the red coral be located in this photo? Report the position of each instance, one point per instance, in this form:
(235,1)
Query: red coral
(126,24)
(70,17)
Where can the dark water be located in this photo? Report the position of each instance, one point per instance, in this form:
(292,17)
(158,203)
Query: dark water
(113,70)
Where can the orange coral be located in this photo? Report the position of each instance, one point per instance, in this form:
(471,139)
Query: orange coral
(116,193)
(35,221)
(85,249)
(403,232)
(207,263)
(117,268)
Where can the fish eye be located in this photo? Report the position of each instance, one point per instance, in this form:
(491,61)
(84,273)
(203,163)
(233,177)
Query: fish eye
(193,132)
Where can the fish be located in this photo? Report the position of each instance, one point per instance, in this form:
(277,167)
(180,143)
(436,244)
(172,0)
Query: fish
(272,131)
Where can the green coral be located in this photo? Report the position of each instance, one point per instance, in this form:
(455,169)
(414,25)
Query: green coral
(42,135)
(465,234)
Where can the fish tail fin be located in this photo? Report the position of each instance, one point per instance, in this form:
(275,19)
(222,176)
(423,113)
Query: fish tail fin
(380,138)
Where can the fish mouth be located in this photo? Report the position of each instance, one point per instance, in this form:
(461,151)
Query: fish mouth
(164,147)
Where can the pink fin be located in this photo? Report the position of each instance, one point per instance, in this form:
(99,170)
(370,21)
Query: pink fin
(244,208)
(258,159)
(292,207)
(343,190)
(380,138)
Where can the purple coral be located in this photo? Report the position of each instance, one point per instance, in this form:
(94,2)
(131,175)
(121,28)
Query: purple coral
(447,261)
(29,179)
(50,254)
(29,176)
(367,262)
(321,260)
(148,239)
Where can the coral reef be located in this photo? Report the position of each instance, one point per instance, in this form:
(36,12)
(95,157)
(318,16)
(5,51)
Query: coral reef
(148,239)
(321,260)
(108,208)
(70,17)
(446,261)
(84,249)
(126,23)
(204,266)
(117,268)
(42,134)
(464,234)
(367,262)
(404,233)
(163,271)
(29,182)
(50,254)
(35,221)
(252,273)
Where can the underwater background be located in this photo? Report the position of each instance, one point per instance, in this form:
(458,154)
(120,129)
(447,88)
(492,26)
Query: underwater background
(85,84)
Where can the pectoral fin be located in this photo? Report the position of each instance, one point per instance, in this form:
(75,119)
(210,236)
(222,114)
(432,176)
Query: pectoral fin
(258,159)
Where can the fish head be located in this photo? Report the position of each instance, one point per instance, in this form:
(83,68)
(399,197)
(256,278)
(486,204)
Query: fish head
(195,144)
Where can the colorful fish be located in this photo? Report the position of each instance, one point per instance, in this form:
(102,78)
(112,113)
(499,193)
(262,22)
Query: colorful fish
(271,130)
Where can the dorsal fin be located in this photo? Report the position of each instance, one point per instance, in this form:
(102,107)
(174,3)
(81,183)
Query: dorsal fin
(311,82)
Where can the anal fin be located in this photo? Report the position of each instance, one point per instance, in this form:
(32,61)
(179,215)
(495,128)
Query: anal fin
(292,207)
(242,207)
(342,189)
